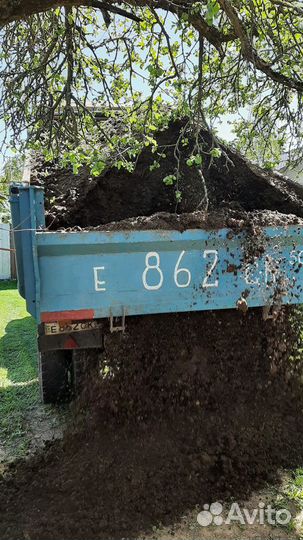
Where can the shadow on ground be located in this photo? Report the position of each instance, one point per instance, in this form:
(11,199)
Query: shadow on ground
(18,385)
(18,350)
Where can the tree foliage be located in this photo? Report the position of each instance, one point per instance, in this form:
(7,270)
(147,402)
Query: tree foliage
(92,81)
(12,172)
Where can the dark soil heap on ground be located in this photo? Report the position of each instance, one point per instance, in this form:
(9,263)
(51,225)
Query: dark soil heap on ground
(190,409)
(184,409)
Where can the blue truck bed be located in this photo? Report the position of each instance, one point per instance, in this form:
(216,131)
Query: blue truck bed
(96,274)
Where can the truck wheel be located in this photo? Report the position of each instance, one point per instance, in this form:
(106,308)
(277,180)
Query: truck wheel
(55,376)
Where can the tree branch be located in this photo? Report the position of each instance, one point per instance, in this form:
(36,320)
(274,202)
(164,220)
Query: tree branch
(20,9)
(288,5)
(251,54)
(106,6)
(213,36)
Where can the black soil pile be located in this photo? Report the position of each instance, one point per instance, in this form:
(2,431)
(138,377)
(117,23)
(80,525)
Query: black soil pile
(233,184)
(189,409)
(184,409)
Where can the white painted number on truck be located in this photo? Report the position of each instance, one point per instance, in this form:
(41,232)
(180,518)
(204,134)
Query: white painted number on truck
(182,275)
(212,256)
(153,276)
(99,284)
(152,265)
(185,280)
(296,257)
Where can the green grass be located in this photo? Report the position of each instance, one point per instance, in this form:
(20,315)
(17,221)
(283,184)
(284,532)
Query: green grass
(294,489)
(19,390)
(293,492)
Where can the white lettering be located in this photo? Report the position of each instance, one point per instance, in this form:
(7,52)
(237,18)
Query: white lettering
(99,285)
(210,253)
(179,271)
(149,267)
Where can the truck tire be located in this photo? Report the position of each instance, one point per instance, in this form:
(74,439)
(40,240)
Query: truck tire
(55,376)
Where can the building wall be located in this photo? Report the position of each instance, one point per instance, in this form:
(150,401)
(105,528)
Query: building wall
(5,256)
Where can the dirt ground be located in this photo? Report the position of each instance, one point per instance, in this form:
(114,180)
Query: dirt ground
(184,409)
(189,529)
(168,426)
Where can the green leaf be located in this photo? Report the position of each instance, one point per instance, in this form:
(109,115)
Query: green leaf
(169,179)
(216,152)
(76,167)
(150,141)
(195,160)
(178,195)
(212,11)
(155,165)
(97,168)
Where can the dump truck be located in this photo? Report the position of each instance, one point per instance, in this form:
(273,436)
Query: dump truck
(79,285)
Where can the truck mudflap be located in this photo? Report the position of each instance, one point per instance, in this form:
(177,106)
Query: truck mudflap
(71,276)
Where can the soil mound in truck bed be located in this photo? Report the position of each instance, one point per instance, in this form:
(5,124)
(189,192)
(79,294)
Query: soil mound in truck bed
(214,219)
(232,183)
(190,409)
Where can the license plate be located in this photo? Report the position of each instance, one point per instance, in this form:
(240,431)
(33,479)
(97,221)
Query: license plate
(66,327)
